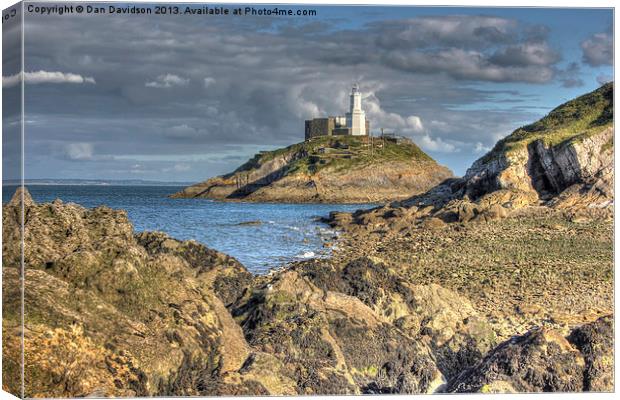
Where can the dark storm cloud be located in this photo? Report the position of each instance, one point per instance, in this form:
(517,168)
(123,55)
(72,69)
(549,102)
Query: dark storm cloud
(526,54)
(452,31)
(598,49)
(479,48)
(181,98)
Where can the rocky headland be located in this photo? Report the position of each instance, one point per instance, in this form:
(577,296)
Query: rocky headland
(563,163)
(328,169)
(500,281)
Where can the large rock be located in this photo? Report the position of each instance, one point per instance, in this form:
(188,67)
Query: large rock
(331,342)
(543,360)
(540,361)
(447,323)
(139,320)
(596,343)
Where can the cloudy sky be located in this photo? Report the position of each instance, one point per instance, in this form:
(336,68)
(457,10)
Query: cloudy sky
(183,98)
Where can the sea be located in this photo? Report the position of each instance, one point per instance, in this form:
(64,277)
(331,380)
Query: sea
(262,236)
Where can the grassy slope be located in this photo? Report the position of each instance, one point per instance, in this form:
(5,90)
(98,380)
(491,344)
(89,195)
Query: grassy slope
(574,120)
(359,151)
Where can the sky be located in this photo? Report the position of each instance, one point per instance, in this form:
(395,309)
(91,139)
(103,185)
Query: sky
(188,97)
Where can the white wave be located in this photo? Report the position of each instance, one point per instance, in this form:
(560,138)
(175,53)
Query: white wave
(307,254)
(326,231)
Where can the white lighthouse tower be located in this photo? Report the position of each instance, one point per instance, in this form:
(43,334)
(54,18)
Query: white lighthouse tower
(356,117)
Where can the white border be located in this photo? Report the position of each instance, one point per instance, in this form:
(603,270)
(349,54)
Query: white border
(457,3)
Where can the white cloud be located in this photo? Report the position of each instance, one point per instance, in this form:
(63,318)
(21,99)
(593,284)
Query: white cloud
(415,123)
(301,107)
(435,144)
(45,77)
(10,81)
(167,81)
(390,121)
(208,81)
(211,111)
(185,131)
(481,148)
(410,126)
(79,151)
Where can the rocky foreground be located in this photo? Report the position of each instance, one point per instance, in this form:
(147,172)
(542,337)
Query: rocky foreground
(109,312)
(328,169)
(500,281)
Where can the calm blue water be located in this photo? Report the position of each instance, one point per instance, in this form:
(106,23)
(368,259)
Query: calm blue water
(286,231)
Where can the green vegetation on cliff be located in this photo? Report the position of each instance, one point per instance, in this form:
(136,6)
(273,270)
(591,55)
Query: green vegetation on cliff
(574,120)
(340,153)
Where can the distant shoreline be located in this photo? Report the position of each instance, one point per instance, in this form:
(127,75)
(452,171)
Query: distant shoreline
(93,183)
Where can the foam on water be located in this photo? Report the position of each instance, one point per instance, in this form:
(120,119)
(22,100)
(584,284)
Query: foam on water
(307,254)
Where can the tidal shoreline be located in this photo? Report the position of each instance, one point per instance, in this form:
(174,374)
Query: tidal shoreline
(291,229)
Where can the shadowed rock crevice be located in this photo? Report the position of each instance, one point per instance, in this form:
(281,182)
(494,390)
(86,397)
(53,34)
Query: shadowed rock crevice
(546,186)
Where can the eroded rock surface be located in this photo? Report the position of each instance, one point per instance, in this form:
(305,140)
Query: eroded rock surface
(139,311)
(595,341)
(545,361)
(111,312)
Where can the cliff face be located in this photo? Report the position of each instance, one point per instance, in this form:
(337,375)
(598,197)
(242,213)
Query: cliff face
(562,162)
(328,169)
(572,147)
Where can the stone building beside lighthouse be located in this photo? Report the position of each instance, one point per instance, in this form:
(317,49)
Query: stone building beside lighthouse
(354,122)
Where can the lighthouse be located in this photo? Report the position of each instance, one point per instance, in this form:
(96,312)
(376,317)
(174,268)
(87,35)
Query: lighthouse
(356,117)
(354,123)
